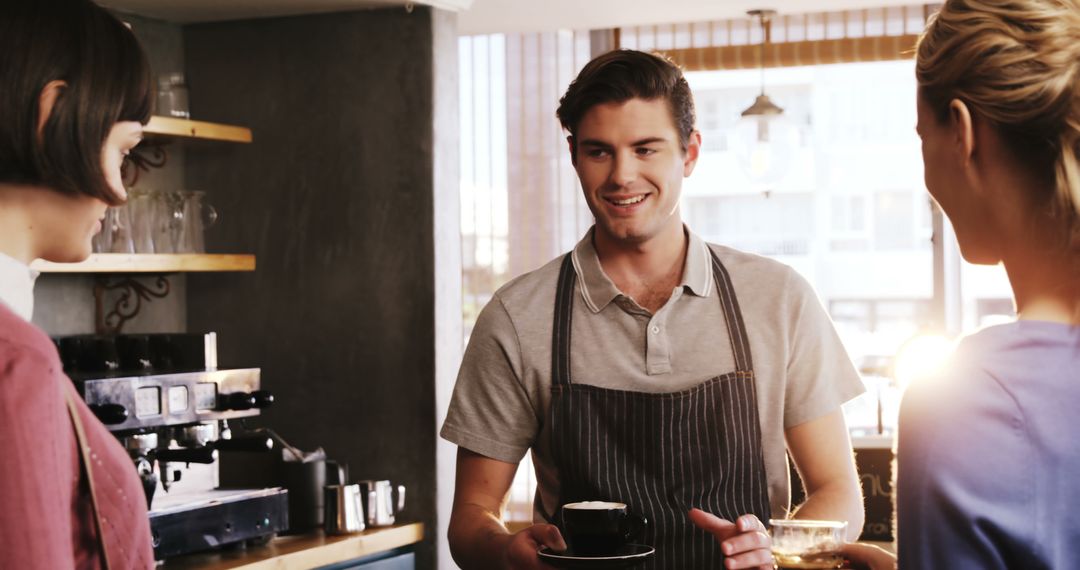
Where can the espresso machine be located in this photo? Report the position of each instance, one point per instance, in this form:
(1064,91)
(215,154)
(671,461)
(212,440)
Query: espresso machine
(165,399)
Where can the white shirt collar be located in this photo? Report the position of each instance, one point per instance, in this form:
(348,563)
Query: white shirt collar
(17,286)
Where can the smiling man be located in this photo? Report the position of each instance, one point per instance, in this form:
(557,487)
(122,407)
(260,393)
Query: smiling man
(646,366)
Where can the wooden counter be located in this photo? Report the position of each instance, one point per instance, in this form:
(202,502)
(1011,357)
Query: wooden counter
(304,551)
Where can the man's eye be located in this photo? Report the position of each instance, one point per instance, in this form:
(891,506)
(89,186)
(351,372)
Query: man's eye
(643,151)
(596,153)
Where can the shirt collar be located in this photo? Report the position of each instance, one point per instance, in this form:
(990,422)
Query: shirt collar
(597,290)
(17,286)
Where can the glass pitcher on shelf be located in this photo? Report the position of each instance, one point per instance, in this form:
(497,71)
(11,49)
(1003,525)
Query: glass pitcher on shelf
(196,216)
(166,221)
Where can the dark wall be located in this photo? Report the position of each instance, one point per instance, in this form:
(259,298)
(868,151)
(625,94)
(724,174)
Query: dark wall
(335,198)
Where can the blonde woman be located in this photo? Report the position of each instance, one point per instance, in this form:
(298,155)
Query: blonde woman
(989,460)
(75,91)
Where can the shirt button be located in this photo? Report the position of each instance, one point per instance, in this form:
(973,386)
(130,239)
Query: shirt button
(656,330)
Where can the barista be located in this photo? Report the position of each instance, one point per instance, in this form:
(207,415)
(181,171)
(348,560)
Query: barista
(647,366)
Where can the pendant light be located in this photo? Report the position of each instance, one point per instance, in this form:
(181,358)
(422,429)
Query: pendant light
(764,140)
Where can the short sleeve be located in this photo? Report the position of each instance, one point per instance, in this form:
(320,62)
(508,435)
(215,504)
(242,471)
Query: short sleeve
(490,412)
(964,482)
(820,374)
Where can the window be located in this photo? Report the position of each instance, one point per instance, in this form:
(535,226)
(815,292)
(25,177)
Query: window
(851,215)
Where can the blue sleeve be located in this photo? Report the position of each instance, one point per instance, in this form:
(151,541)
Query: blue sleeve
(964,487)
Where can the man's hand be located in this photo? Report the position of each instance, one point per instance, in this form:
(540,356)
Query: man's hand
(521,550)
(869,557)
(744,542)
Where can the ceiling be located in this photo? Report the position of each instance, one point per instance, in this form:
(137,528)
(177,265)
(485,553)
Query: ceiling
(190,11)
(493,16)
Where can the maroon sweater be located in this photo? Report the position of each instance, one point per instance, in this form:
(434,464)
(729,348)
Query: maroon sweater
(46,518)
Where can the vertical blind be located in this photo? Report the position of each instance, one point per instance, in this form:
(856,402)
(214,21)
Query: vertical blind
(520,201)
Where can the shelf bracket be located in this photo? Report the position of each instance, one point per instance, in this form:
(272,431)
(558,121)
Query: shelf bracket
(129,302)
(149,154)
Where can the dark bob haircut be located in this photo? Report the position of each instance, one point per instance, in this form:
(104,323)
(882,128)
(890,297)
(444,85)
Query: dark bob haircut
(108,81)
(620,75)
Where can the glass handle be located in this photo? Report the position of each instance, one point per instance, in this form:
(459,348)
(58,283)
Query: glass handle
(211,215)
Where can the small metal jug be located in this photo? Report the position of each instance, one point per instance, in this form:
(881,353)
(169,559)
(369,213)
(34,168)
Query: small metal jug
(344,509)
(380,506)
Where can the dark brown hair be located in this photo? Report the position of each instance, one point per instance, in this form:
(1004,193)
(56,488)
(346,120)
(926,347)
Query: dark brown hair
(108,81)
(624,74)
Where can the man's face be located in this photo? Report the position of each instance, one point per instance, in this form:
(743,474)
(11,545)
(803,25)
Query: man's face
(631,168)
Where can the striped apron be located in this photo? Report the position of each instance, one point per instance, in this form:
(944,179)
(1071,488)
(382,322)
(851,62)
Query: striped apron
(662,454)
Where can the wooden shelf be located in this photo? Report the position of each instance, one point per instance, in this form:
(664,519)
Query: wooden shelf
(151,263)
(169,127)
(304,551)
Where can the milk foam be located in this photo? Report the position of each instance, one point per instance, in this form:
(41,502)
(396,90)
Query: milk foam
(595,505)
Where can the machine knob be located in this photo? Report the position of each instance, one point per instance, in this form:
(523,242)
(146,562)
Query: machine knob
(110,414)
(263,398)
(237,401)
(246,400)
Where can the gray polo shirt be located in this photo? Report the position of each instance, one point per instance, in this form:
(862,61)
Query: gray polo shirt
(500,404)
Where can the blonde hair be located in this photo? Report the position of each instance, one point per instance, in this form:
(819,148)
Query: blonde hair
(1015,63)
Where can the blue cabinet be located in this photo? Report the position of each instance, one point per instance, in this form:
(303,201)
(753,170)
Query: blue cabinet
(397,559)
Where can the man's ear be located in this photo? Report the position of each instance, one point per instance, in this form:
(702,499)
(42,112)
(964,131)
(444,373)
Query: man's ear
(573,150)
(47,100)
(693,151)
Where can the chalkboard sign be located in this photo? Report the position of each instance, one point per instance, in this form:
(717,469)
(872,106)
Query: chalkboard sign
(875,472)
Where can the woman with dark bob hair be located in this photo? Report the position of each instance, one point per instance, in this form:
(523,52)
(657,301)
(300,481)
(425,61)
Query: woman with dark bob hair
(75,92)
(987,453)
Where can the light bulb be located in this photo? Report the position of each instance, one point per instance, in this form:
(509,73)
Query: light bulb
(764,146)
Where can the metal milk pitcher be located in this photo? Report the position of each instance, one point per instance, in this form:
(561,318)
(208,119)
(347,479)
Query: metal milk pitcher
(380,506)
(344,509)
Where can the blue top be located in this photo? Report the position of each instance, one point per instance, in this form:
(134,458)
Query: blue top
(989,455)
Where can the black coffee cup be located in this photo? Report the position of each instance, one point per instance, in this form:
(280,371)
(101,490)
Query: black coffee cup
(600,528)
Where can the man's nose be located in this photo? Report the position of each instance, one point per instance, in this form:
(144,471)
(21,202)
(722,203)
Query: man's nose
(624,171)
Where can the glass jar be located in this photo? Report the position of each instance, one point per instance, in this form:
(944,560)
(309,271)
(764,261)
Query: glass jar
(172,96)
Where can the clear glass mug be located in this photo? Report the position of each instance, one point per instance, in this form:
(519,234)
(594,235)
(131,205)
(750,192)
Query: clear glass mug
(102,242)
(196,216)
(807,544)
(116,231)
(142,208)
(166,217)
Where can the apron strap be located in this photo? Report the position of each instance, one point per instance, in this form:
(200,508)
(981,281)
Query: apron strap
(560,336)
(740,344)
(84,454)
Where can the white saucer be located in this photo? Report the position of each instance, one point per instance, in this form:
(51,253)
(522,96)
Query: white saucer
(629,555)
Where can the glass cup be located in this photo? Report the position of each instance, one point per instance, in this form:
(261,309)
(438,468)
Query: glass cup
(118,224)
(807,544)
(142,208)
(102,242)
(196,217)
